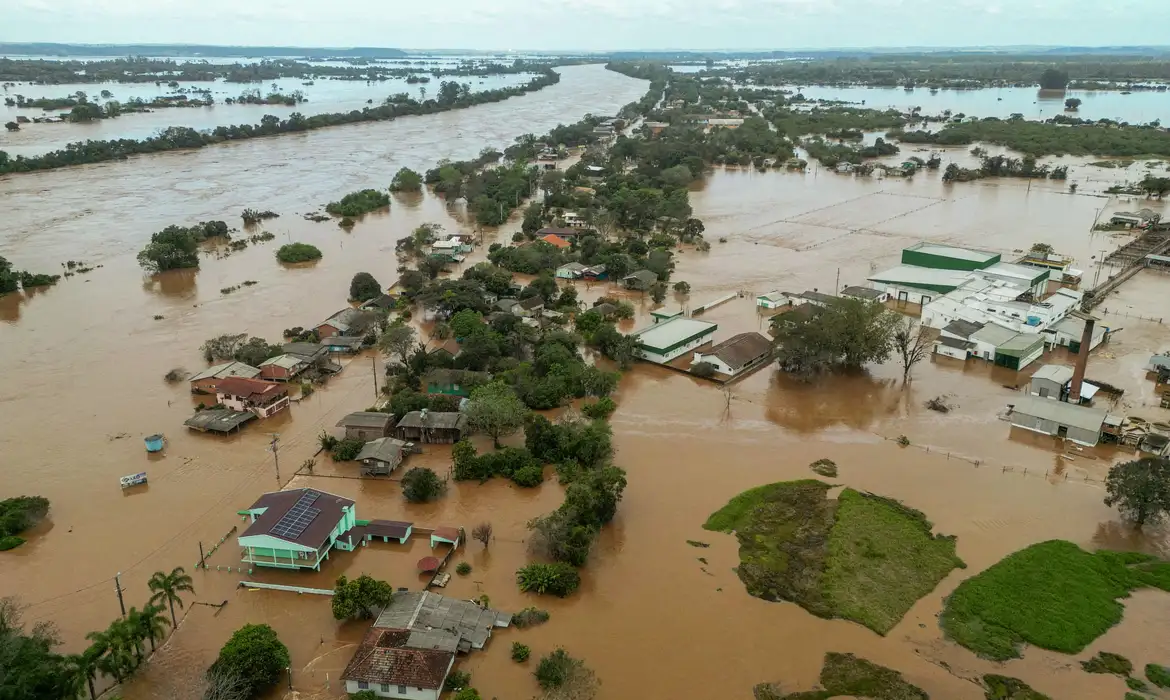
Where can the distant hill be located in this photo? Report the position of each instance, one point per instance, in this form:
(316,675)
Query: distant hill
(196,50)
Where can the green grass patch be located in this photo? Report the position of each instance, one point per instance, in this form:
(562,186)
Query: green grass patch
(862,557)
(1052,594)
(845,675)
(1108,662)
(1008,688)
(882,558)
(1137,684)
(1158,675)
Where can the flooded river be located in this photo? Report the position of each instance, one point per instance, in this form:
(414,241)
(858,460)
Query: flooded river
(83,367)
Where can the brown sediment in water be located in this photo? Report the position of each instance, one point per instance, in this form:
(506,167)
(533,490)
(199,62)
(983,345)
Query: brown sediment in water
(83,368)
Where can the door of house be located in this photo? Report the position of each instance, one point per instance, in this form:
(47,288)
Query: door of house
(903,296)
(925,300)
(1062,431)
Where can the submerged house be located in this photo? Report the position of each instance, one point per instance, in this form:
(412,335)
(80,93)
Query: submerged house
(640,280)
(261,398)
(296,529)
(737,353)
(367,425)
(1080,424)
(382,456)
(282,368)
(205,382)
(454,382)
(348,321)
(410,649)
(427,426)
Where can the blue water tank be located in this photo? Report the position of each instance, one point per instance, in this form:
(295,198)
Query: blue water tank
(1033,320)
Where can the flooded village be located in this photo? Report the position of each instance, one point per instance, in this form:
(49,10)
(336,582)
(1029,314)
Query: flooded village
(1037,312)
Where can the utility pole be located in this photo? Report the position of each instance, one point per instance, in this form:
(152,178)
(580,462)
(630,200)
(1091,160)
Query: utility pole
(374,367)
(118,589)
(276,456)
(837,286)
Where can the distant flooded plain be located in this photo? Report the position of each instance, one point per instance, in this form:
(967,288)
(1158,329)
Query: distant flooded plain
(83,383)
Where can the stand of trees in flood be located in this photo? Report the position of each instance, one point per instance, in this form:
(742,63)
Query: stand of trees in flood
(174,138)
(1059,136)
(958,71)
(152,70)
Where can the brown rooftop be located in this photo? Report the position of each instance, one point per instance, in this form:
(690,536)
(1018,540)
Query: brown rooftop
(447,533)
(278,504)
(251,389)
(382,658)
(388,528)
(740,350)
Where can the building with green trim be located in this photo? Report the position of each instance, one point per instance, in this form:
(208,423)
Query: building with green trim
(672,338)
(296,529)
(946,257)
(1020,351)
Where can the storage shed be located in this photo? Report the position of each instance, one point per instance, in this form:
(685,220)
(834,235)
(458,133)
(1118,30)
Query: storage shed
(1080,424)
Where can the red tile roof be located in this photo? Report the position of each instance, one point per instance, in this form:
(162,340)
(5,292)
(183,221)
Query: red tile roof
(381,658)
(556,240)
(253,389)
(447,533)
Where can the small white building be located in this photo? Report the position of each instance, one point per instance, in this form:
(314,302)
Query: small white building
(772,300)
(666,341)
(736,354)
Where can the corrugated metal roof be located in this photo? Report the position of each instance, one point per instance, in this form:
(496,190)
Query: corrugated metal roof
(1061,413)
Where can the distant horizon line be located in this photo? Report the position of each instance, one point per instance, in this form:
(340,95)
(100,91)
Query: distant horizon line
(570,51)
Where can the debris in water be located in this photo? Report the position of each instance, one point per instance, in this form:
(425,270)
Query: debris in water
(696,543)
(939,403)
(824,467)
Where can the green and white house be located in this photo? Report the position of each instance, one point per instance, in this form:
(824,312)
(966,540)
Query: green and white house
(296,529)
(664,341)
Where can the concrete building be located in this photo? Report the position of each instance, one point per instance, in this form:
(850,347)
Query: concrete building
(261,398)
(1068,332)
(1055,382)
(736,354)
(282,368)
(296,529)
(988,339)
(206,381)
(1079,424)
(772,300)
(947,257)
(1019,351)
(663,342)
(865,294)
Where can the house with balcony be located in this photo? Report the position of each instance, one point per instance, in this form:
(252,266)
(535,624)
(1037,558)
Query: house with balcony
(296,529)
(261,398)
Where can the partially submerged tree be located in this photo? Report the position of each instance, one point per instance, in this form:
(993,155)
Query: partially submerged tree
(495,410)
(406,180)
(1140,489)
(844,333)
(398,341)
(483,533)
(420,485)
(363,287)
(911,343)
(255,656)
(167,587)
(360,598)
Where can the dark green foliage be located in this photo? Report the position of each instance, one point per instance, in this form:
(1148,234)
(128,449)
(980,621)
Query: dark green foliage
(520,652)
(19,514)
(1108,662)
(1137,684)
(553,579)
(406,180)
(457,680)
(599,409)
(360,598)
(8,542)
(555,669)
(256,656)
(364,287)
(1052,594)
(1006,688)
(1140,489)
(588,443)
(529,617)
(420,485)
(297,252)
(703,370)
(529,476)
(252,216)
(1053,137)
(463,569)
(846,333)
(467,694)
(173,248)
(347,450)
(1053,79)
(495,410)
(358,203)
(1158,675)
(363,695)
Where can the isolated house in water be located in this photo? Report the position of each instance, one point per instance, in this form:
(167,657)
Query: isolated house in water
(296,529)
(206,381)
(382,456)
(367,425)
(262,398)
(427,426)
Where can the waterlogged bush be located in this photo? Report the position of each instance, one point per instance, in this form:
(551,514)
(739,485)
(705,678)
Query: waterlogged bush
(530,617)
(602,408)
(298,252)
(358,203)
(553,579)
(520,652)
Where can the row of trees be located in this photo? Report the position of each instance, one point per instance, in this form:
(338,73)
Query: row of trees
(32,670)
(12,279)
(1053,137)
(174,138)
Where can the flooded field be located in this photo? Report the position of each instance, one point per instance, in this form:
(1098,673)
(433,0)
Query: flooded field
(83,383)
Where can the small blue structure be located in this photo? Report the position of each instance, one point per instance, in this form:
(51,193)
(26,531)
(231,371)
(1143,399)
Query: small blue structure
(155,443)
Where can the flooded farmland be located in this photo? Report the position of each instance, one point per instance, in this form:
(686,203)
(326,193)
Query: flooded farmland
(83,383)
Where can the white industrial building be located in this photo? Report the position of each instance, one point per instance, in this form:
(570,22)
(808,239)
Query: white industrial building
(667,340)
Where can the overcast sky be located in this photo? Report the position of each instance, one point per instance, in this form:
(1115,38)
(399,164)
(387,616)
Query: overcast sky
(591,24)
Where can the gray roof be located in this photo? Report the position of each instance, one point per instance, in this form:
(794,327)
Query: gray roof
(738,350)
(643,276)
(961,328)
(344,341)
(573,266)
(366,419)
(344,319)
(306,350)
(1020,342)
(220,420)
(605,308)
(1061,374)
(383,449)
(532,303)
(950,251)
(993,334)
(287,361)
(1159,361)
(433,419)
(955,343)
(819,297)
(227,369)
(862,292)
(439,622)
(1061,413)
(506,304)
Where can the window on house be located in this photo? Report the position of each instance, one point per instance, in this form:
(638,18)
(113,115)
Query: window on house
(385,687)
(363,685)
(402,690)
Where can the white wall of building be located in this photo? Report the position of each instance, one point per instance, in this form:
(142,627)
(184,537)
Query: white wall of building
(677,352)
(719,365)
(948,351)
(392,691)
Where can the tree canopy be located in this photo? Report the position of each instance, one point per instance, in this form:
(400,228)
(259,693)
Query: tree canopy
(496,411)
(364,287)
(254,655)
(844,333)
(360,598)
(420,485)
(297,253)
(1140,489)
(406,180)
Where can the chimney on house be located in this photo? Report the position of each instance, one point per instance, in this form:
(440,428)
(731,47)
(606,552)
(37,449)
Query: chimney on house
(1078,378)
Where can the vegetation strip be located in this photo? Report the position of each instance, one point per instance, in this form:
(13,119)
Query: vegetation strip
(846,675)
(862,557)
(1052,594)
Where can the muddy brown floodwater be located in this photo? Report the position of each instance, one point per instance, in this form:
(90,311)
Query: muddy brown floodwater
(83,365)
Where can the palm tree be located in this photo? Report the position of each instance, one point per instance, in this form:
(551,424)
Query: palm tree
(111,650)
(133,632)
(81,669)
(153,623)
(167,588)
